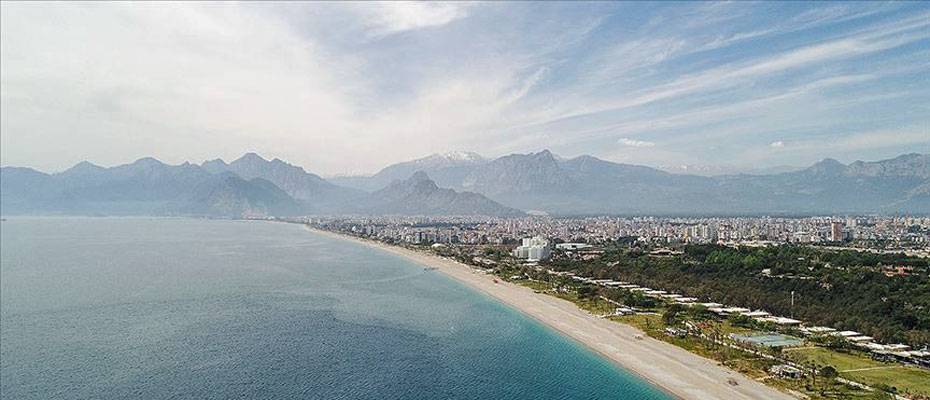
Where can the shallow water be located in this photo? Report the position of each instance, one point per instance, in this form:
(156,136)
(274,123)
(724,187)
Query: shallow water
(116,308)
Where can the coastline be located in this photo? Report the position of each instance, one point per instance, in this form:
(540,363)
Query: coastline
(678,372)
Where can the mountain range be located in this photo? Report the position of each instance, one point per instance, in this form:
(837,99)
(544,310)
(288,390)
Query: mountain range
(315,193)
(145,187)
(250,185)
(465,184)
(588,185)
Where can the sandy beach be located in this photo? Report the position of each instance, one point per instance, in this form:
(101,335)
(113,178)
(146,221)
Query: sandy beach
(679,372)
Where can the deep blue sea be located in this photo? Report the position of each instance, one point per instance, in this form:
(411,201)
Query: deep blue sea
(146,308)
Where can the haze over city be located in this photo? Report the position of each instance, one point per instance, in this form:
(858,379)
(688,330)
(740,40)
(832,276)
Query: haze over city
(344,89)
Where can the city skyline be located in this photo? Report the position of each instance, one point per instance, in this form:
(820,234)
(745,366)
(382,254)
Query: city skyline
(348,89)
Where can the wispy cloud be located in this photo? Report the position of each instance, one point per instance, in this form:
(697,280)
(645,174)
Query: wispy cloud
(390,17)
(635,143)
(733,74)
(352,87)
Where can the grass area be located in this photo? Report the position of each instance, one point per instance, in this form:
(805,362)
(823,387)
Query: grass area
(645,323)
(596,306)
(535,285)
(907,379)
(593,305)
(840,361)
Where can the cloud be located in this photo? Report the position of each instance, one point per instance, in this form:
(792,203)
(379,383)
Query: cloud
(352,87)
(387,18)
(777,144)
(726,76)
(178,82)
(635,143)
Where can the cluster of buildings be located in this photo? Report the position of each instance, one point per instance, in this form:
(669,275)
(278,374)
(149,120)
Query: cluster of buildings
(878,233)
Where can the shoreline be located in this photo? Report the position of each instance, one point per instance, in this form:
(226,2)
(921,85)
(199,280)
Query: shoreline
(676,371)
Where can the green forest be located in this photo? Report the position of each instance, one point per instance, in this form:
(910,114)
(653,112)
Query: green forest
(842,289)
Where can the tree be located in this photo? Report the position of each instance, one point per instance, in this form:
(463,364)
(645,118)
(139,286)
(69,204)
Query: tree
(586,291)
(701,313)
(741,321)
(828,372)
(561,282)
(774,351)
(716,332)
(832,342)
(671,313)
(813,367)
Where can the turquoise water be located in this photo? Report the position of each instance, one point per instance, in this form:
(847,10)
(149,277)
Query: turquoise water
(204,309)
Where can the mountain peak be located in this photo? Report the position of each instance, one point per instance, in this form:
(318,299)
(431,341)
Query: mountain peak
(544,155)
(419,195)
(460,156)
(827,166)
(147,162)
(910,156)
(421,182)
(83,167)
(251,157)
(829,162)
(449,158)
(86,164)
(585,159)
(913,164)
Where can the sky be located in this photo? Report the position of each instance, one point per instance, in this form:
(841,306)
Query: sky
(348,88)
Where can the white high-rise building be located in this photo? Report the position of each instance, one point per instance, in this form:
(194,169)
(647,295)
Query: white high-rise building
(533,249)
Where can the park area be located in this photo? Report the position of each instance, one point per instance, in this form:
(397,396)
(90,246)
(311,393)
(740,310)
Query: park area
(907,379)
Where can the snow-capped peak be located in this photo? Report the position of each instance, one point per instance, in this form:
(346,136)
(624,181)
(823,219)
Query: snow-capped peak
(461,156)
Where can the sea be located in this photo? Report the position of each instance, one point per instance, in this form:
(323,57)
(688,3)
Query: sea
(165,308)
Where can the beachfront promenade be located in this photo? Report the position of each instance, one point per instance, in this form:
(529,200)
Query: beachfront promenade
(678,371)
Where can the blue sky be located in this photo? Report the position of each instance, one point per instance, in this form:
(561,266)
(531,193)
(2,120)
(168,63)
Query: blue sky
(351,87)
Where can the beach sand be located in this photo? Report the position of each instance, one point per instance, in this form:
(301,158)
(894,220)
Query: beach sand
(679,372)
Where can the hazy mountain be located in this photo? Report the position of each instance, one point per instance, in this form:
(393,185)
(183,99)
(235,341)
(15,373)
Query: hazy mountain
(588,185)
(536,181)
(581,185)
(315,193)
(445,169)
(517,173)
(419,195)
(887,186)
(145,187)
(906,165)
